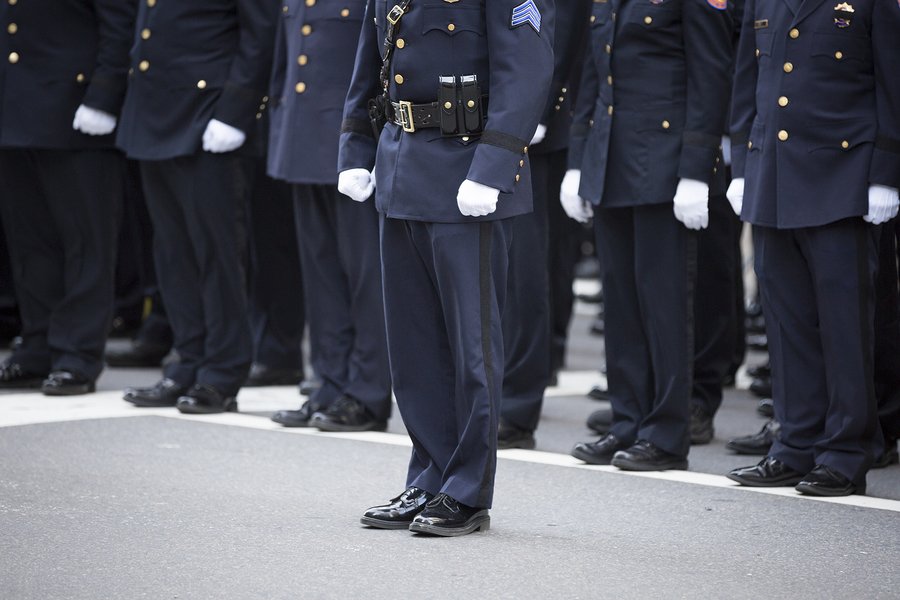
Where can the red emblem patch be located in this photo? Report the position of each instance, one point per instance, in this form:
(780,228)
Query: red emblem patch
(723,4)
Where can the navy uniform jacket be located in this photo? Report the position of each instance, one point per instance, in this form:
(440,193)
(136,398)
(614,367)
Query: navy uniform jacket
(55,56)
(418,174)
(314,52)
(817,90)
(192,61)
(653,102)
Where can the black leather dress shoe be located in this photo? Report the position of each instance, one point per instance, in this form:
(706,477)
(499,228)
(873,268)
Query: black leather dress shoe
(261,375)
(399,512)
(164,393)
(600,420)
(761,387)
(308,386)
(889,457)
(14,376)
(598,392)
(766,408)
(447,517)
(138,354)
(204,399)
(67,383)
(644,456)
(510,436)
(769,472)
(757,444)
(825,481)
(599,452)
(346,414)
(701,427)
(297,418)
(758,371)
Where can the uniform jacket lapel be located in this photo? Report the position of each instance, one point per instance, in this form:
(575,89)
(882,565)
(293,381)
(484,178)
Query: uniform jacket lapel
(794,6)
(807,7)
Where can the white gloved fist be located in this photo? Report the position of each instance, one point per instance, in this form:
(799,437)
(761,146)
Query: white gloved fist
(574,205)
(691,203)
(539,134)
(735,195)
(883,204)
(475,199)
(220,137)
(93,122)
(357,184)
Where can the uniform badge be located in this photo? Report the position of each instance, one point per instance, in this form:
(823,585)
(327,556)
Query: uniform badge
(842,13)
(718,4)
(526,13)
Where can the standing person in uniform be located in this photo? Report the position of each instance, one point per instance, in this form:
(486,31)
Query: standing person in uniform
(815,105)
(315,50)
(651,112)
(527,316)
(464,86)
(199,73)
(62,81)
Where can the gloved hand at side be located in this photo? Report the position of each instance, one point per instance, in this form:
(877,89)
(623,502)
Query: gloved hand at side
(735,195)
(539,134)
(574,205)
(883,204)
(475,199)
(93,122)
(691,203)
(220,137)
(357,184)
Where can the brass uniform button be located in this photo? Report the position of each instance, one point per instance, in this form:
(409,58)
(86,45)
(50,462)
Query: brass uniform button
(795,33)
(609,79)
(302,60)
(13,57)
(465,138)
(757,53)
(144,65)
(665,125)
(284,9)
(12,2)
(845,144)
(783,101)
(839,55)
(783,135)
(609,110)
(562,99)
(201,85)
(300,88)
(12,28)
(525,150)
(310,2)
(788,67)
(80,78)
(398,78)
(470,104)
(306,29)
(608,48)
(401,43)
(518,177)
(150,3)
(448,105)
(521,163)
(648,20)
(593,18)
(749,145)
(451,27)
(145,34)
(345,13)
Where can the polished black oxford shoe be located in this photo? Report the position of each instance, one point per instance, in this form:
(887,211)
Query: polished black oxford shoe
(761,387)
(701,426)
(346,414)
(600,420)
(644,456)
(769,472)
(599,452)
(67,383)
(510,436)
(447,517)
(138,354)
(889,457)
(825,481)
(766,408)
(757,444)
(399,512)
(758,371)
(204,399)
(14,376)
(297,418)
(598,392)
(262,375)
(164,393)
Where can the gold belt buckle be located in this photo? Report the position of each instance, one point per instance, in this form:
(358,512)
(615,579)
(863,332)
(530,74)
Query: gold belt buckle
(395,15)
(406,117)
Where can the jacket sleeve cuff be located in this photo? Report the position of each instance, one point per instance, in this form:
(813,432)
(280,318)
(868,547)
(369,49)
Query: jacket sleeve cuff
(698,156)
(498,160)
(106,94)
(357,151)
(885,166)
(237,106)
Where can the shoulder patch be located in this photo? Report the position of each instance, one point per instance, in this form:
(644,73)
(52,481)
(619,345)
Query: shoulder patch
(527,13)
(720,4)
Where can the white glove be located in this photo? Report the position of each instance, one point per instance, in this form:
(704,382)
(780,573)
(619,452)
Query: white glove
(475,199)
(572,203)
(735,195)
(883,204)
(691,203)
(357,184)
(220,137)
(93,122)
(539,134)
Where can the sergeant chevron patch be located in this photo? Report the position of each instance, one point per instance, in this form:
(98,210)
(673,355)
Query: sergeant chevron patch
(526,13)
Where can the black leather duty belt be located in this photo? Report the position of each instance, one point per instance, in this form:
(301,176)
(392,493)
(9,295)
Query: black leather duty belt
(412,117)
